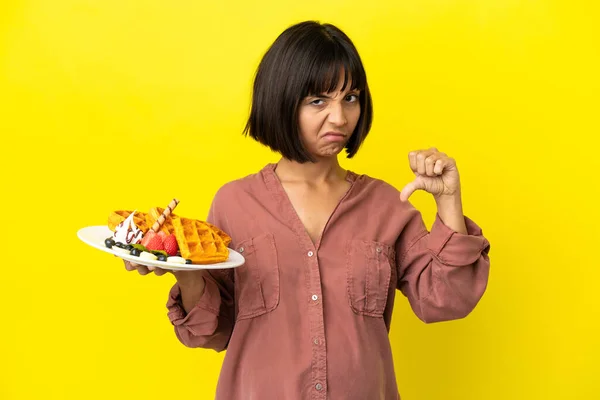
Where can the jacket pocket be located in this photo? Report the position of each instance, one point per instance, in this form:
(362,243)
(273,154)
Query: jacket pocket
(257,281)
(369,269)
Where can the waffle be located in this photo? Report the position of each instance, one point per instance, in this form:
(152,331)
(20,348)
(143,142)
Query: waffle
(167,226)
(199,241)
(225,237)
(116,217)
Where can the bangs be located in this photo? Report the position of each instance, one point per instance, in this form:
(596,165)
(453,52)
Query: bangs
(331,62)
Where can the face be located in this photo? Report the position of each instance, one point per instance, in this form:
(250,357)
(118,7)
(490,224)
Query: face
(328,120)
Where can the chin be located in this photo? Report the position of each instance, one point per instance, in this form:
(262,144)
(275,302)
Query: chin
(331,150)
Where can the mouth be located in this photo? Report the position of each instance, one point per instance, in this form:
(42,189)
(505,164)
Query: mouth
(334,136)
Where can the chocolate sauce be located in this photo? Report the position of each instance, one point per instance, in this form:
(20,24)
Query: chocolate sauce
(130,235)
(129,238)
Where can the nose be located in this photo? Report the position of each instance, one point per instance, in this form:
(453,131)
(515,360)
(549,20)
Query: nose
(337,114)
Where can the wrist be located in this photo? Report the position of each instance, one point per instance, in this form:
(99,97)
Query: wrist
(450,203)
(450,211)
(191,289)
(188,283)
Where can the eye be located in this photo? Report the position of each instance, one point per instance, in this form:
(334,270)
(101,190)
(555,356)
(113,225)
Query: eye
(351,98)
(317,102)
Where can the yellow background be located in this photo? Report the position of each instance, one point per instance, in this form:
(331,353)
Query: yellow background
(126,104)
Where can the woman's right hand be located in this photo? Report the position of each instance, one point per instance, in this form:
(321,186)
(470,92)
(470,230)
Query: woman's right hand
(143,270)
(188,279)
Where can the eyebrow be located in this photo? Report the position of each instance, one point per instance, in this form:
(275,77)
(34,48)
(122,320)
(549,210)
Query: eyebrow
(353,91)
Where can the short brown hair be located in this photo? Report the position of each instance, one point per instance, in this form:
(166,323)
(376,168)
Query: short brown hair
(305,60)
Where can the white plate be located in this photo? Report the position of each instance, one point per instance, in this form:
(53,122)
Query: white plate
(95,236)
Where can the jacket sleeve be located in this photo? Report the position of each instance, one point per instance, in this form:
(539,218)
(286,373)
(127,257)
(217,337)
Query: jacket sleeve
(210,323)
(443,273)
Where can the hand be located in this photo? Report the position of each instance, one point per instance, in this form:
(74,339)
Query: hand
(143,270)
(192,279)
(436,173)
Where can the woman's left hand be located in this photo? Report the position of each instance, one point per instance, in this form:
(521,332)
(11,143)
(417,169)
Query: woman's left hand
(435,172)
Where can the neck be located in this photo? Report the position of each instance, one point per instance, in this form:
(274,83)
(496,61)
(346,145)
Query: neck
(322,171)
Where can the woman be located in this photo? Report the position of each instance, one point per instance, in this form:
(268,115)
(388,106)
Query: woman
(308,315)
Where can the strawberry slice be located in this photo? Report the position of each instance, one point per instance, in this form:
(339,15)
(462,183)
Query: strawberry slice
(170,245)
(153,241)
(156,243)
(149,235)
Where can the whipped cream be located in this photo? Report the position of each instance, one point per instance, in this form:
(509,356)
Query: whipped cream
(127,232)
